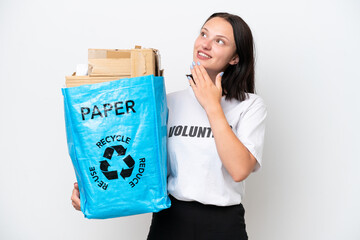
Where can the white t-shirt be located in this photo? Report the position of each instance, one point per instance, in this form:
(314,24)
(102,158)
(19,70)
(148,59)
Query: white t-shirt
(195,171)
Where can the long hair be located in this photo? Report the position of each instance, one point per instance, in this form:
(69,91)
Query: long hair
(239,79)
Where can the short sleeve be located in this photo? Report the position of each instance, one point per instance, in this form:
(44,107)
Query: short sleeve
(251,129)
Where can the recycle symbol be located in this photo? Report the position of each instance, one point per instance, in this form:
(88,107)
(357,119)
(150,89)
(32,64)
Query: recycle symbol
(128,160)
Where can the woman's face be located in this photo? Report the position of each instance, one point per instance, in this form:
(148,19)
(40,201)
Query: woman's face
(215,46)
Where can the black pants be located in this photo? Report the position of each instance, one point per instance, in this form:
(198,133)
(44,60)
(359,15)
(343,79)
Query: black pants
(195,221)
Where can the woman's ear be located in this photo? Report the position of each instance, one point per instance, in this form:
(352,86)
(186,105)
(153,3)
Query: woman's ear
(234,60)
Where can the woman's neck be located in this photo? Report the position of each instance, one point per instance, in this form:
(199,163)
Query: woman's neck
(212,75)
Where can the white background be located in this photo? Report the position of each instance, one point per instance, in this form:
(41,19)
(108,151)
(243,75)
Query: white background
(307,72)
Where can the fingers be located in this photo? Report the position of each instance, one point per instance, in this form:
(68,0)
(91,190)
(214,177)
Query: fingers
(75,197)
(76,206)
(202,71)
(194,74)
(76,188)
(191,82)
(199,73)
(218,80)
(201,76)
(75,200)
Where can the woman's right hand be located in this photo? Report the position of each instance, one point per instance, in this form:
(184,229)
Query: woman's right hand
(75,197)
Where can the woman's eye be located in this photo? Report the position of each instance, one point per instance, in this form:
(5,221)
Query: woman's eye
(220,41)
(203,34)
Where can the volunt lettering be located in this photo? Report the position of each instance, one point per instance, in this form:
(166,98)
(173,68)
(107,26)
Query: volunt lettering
(190,131)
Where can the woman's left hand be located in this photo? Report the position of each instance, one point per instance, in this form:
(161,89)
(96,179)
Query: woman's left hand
(207,93)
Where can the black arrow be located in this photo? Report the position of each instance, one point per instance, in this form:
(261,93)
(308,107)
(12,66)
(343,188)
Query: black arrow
(108,153)
(104,165)
(129,161)
(120,150)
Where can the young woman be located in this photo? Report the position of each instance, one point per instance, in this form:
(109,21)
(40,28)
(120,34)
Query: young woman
(215,137)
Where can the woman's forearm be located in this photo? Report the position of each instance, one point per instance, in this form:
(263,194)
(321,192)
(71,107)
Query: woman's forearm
(236,158)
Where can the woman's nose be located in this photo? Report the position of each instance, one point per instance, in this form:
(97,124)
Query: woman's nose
(206,44)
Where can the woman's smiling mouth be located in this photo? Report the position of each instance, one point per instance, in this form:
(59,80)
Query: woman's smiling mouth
(203,56)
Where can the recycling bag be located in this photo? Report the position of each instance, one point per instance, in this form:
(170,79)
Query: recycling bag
(116,135)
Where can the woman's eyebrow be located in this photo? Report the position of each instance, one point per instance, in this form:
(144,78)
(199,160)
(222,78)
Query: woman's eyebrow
(204,29)
(219,35)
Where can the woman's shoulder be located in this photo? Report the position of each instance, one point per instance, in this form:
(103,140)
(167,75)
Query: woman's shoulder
(254,99)
(254,103)
(251,100)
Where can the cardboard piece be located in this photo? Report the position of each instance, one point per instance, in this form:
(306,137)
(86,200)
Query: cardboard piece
(75,81)
(113,64)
